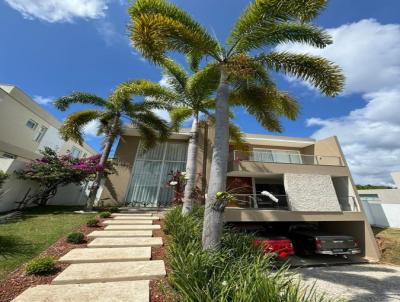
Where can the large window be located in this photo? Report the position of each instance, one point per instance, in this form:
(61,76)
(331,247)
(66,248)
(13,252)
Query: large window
(276,156)
(150,174)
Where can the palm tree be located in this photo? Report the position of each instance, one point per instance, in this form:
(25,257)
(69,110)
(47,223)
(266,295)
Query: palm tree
(111,113)
(242,66)
(194,100)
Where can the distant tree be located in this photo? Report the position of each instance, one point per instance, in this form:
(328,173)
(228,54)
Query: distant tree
(372,187)
(110,113)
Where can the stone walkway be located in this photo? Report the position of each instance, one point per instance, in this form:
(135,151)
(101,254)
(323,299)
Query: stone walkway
(116,265)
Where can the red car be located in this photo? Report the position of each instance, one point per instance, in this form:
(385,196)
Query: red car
(281,246)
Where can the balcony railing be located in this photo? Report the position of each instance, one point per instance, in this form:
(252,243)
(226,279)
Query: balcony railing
(272,156)
(259,201)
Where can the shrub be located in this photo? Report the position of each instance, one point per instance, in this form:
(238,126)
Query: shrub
(113,210)
(76,238)
(105,214)
(40,265)
(237,271)
(93,222)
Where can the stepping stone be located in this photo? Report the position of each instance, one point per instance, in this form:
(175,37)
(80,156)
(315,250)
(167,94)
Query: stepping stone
(105,234)
(131,214)
(132,227)
(127,222)
(136,217)
(85,255)
(126,242)
(133,291)
(111,272)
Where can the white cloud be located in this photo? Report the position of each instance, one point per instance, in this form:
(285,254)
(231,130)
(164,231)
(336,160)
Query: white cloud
(369,53)
(60,10)
(43,100)
(110,34)
(369,136)
(91,128)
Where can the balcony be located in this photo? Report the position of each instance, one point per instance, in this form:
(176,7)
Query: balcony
(258,163)
(286,157)
(262,202)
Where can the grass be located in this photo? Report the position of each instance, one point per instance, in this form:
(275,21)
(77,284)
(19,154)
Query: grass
(390,238)
(38,228)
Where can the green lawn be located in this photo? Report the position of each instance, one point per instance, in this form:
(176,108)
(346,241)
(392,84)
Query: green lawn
(391,244)
(38,228)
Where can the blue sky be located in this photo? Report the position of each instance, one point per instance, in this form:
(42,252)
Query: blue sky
(51,48)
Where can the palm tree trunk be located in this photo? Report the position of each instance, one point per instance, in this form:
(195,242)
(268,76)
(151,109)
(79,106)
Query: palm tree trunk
(103,160)
(213,215)
(191,167)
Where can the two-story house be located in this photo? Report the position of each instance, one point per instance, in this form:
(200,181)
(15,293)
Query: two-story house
(26,128)
(309,180)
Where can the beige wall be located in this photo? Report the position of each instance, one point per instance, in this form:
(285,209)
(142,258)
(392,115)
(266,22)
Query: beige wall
(115,188)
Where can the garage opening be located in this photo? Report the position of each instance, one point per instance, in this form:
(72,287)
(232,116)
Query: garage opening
(314,243)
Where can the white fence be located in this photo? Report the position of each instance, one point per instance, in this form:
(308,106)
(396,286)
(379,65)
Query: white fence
(382,214)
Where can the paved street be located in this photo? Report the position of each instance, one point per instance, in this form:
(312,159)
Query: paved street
(356,283)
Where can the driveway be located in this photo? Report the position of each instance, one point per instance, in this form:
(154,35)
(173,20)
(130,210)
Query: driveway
(356,283)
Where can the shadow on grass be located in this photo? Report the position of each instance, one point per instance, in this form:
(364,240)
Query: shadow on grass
(14,246)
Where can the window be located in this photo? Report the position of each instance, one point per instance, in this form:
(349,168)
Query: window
(84,155)
(31,124)
(40,134)
(75,152)
(8,155)
(150,173)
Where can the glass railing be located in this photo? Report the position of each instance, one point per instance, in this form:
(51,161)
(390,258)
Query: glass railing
(286,157)
(260,201)
(348,204)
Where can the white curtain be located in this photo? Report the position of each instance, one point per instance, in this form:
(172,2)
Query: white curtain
(150,174)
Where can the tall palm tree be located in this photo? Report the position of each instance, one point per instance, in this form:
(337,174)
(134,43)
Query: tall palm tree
(242,66)
(112,111)
(195,100)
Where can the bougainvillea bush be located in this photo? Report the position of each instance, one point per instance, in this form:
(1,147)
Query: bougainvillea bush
(53,171)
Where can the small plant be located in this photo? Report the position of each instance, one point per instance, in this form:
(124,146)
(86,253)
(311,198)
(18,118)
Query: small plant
(113,210)
(105,214)
(92,222)
(76,237)
(41,265)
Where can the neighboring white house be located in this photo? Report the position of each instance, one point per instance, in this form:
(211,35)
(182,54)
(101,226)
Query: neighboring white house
(382,206)
(25,129)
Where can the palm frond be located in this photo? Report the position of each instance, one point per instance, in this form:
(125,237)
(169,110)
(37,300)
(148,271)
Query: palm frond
(175,70)
(73,125)
(148,136)
(203,83)
(158,26)
(275,33)
(125,91)
(320,72)
(150,119)
(261,13)
(178,116)
(64,102)
(267,105)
